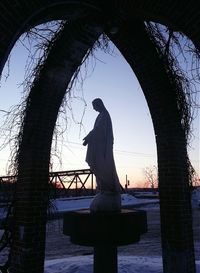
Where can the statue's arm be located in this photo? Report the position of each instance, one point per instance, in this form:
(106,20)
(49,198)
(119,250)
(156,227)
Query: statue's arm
(97,131)
(87,139)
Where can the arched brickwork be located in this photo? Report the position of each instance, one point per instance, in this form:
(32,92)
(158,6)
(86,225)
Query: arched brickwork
(31,197)
(177,237)
(19,16)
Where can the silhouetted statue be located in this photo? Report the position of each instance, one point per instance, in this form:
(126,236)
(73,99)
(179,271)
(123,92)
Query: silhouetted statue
(101,161)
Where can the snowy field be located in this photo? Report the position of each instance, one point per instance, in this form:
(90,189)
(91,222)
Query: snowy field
(126,264)
(69,204)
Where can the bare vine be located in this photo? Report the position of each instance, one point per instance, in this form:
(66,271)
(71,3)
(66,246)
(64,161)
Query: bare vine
(174,48)
(38,42)
(66,114)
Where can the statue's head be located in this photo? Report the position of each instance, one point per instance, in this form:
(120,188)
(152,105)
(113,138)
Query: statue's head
(98,105)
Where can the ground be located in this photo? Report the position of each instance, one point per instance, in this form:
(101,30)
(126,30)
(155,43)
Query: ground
(59,246)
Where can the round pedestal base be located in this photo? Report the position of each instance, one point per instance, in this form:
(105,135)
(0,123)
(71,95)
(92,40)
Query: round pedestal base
(105,231)
(115,228)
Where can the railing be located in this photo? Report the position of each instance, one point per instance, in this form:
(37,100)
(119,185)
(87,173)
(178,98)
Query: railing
(76,182)
(63,183)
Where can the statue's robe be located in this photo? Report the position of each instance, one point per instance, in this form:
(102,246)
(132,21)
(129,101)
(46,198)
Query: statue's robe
(100,154)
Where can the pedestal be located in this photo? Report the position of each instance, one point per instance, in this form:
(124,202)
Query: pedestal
(105,232)
(105,259)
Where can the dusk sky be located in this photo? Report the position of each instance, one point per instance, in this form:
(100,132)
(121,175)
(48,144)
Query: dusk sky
(110,78)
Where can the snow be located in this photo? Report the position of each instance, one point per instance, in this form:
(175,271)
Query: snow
(126,264)
(74,203)
(69,204)
(196,197)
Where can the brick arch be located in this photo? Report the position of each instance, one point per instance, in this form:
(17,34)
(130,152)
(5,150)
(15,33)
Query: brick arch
(20,16)
(17,16)
(175,202)
(168,138)
(44,100)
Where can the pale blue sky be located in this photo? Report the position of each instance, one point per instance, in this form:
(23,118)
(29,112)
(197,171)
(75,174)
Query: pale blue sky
(113,81)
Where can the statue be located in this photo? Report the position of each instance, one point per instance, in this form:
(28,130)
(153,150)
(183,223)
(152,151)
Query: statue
(100,158)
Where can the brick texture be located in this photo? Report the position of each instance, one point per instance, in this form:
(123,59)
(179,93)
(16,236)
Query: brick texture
(175,203)
(31,198)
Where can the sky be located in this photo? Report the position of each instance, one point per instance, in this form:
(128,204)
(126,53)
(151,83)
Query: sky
(109,77)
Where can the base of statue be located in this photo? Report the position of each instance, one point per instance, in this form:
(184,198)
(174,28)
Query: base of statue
(106,201)
(105,231)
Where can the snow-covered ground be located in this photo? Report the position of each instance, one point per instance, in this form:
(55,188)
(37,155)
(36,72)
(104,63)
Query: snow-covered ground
(68,204)
(74,203)
(126,264)
(196,198)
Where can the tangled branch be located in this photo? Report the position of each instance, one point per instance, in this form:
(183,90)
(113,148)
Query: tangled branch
(175,49)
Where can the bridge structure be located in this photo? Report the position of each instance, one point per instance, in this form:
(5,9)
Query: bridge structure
(74,182)
(62,183)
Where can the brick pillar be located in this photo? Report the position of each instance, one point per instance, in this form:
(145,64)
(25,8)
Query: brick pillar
(175,206)
(31,198)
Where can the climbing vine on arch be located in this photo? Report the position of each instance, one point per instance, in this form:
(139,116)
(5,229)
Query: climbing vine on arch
(181,63)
